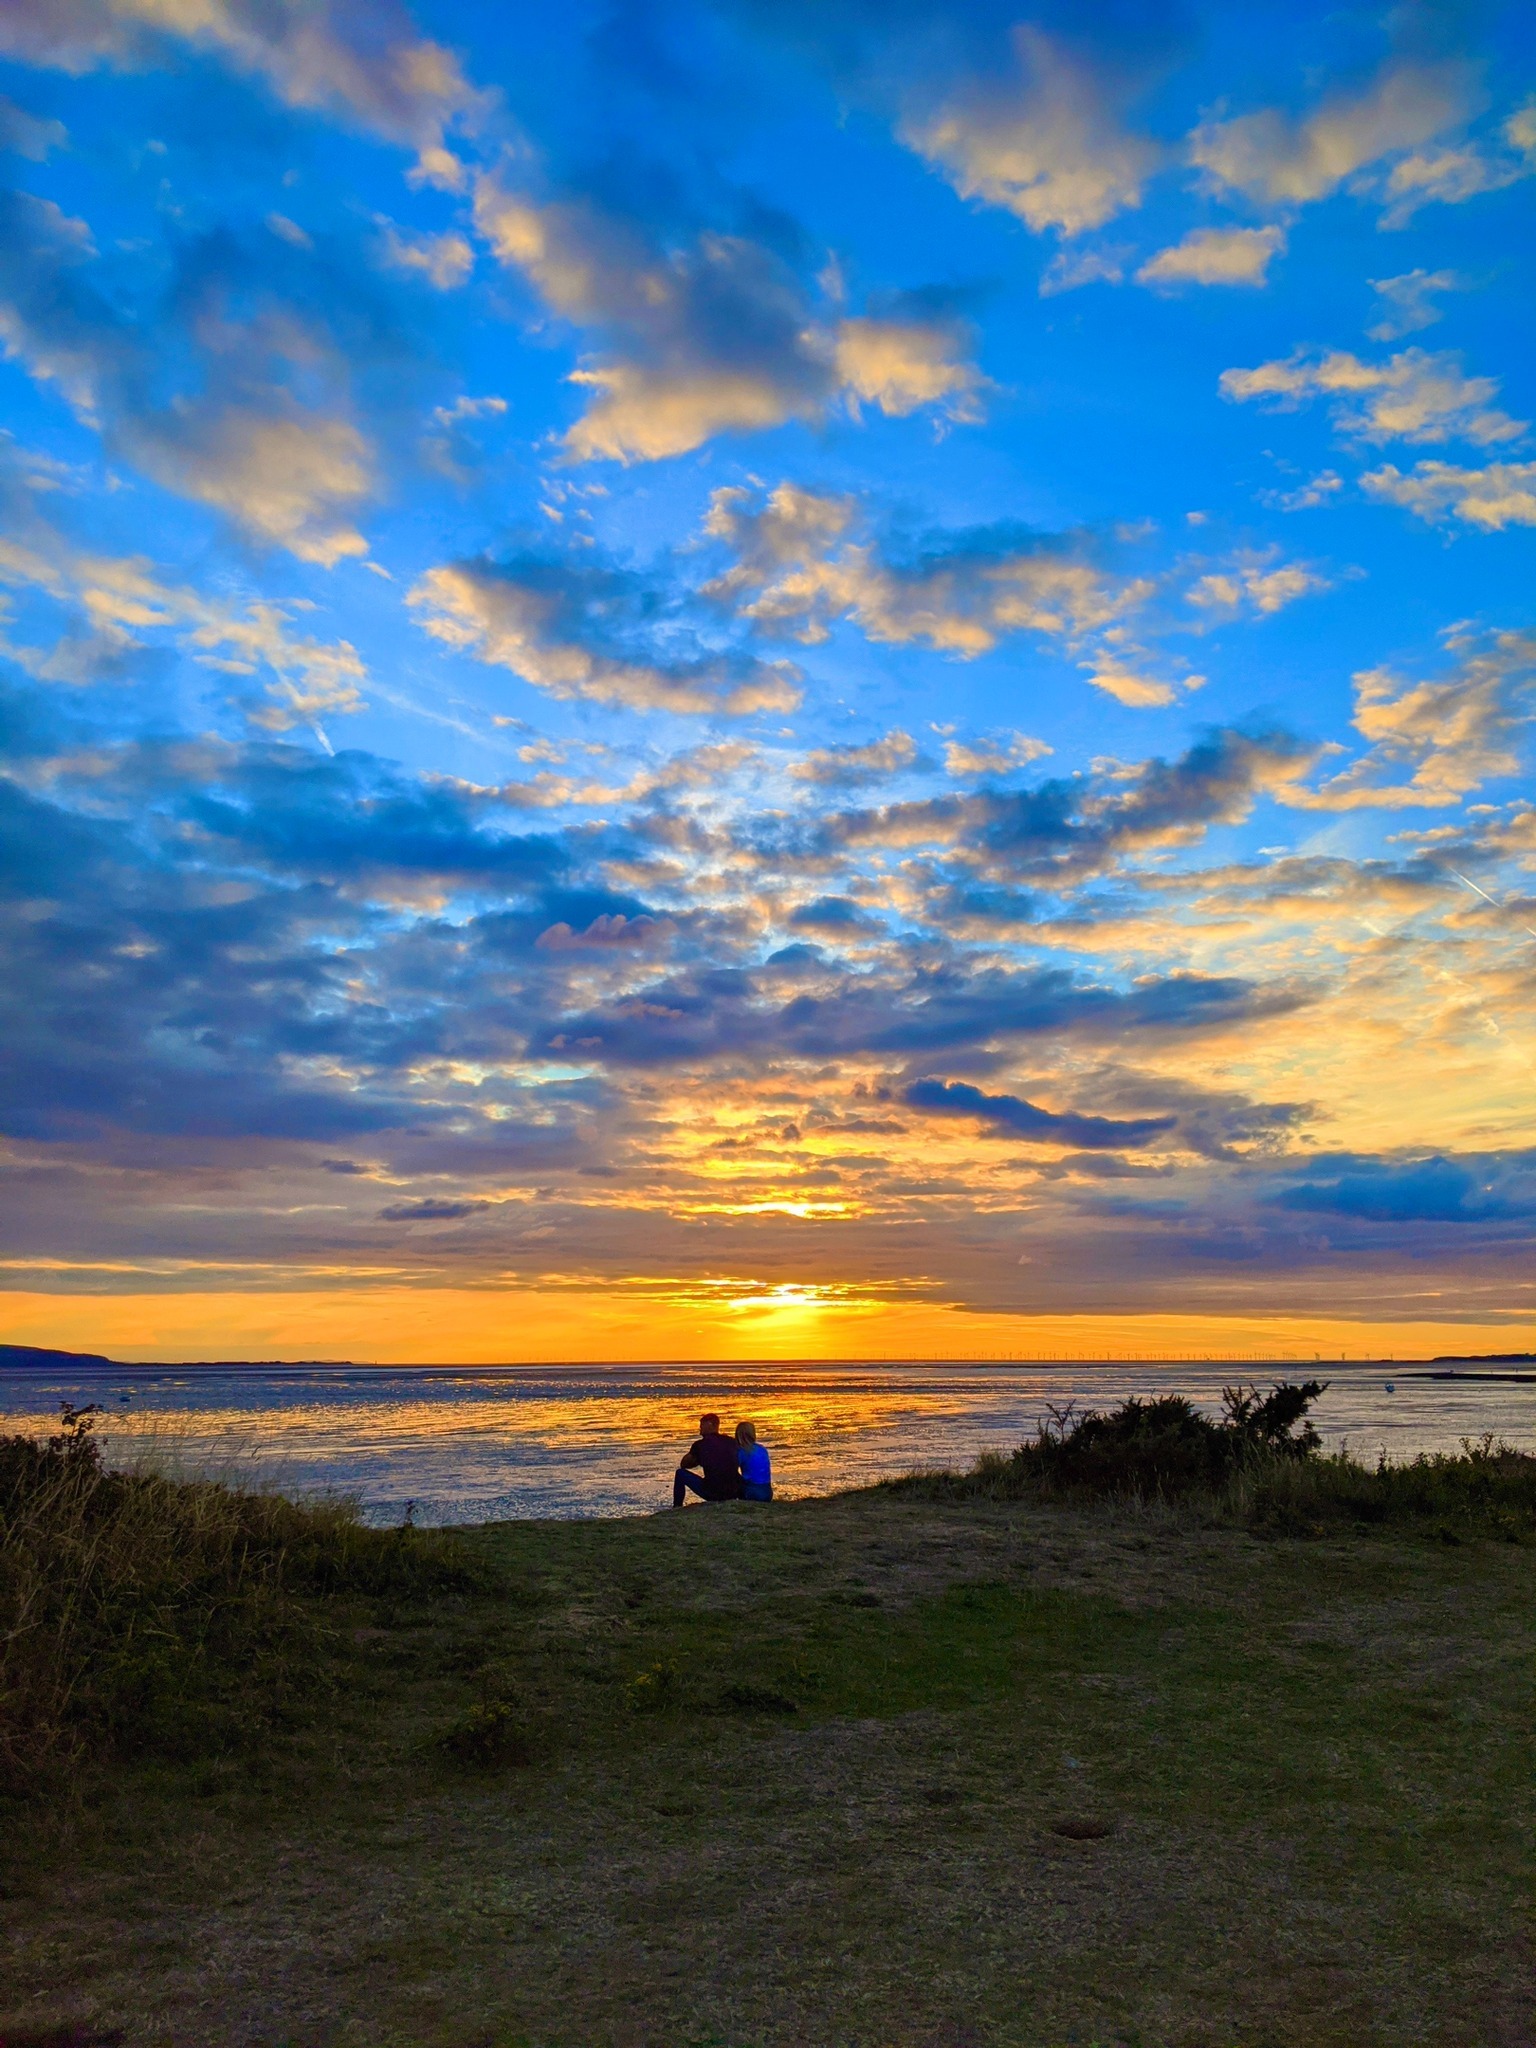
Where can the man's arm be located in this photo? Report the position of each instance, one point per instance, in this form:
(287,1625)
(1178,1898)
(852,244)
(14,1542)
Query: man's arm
(694,1462)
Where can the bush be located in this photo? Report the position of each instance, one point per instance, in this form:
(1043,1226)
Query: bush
(1260,1462)
(1150,1450)
(497,1732)
(143,1613)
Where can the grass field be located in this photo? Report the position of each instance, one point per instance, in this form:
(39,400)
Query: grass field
(874,1770)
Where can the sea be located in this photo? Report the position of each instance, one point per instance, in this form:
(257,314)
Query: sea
(452,1444)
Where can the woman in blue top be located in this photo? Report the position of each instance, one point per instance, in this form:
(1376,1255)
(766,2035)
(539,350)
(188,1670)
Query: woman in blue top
(752,1457)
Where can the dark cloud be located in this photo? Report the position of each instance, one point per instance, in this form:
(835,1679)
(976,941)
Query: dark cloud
(1436,1190)
(352,819)
(833,914)
(158,993)
(732,1013)
(431,1210)
(1012,1115)
(1067,829)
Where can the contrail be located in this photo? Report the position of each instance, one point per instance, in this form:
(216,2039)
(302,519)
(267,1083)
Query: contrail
(1484,894)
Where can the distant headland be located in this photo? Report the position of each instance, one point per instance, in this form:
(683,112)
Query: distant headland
(41,1356)
(38,1354)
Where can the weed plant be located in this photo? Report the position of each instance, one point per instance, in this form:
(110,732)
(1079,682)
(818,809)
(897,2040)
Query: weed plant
(1261,1463)
(144,1613)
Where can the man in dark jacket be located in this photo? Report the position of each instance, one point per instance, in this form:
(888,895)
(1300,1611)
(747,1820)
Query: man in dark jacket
(714,1456)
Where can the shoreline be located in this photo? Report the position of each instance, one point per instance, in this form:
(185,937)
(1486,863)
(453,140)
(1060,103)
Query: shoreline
(1408,1369)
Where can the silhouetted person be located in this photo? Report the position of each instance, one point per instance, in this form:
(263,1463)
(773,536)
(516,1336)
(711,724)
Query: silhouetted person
(714,1457)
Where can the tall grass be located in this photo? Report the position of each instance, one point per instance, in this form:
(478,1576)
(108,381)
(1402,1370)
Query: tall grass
(145,1612)
(1261,1463)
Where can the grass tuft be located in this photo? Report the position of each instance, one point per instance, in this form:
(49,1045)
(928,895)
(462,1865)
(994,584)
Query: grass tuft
(140,1613)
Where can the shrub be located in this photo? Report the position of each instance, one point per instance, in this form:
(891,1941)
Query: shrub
(654,1690)
(1262,1462)
(497,1732)
(144,1613)
(1160,1449)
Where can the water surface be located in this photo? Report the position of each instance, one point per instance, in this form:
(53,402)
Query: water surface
(476,1443)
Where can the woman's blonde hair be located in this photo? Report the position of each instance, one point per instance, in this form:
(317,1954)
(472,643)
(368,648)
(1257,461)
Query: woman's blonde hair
(746,1433)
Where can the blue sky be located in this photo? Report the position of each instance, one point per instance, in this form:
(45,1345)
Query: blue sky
(842,671)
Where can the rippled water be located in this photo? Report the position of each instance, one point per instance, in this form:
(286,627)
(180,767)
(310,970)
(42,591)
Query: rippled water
(470,1444)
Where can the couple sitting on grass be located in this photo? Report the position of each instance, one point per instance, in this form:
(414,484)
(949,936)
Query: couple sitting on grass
(729,1467)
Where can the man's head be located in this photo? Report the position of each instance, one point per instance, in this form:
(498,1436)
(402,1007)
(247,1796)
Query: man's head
(709,1425)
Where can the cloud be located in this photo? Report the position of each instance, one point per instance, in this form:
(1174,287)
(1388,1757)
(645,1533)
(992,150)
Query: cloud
(1256,581)
(1448,177)
(1274,159)
(563,629)
(1434,1190)
(444,260)
(1412,396)
(1050,149)
(238,437)
(1503,494)
(1407,301)
(903,365)
(189,981)
(122,603)
(1451,176)
(49,319)
(236,965)
(711,337)
(850,767)
(837,915)
(1215,256)
(1137,692)
(29,135)
(350,823)
(1070,269)
(707,1018)
(800,568)
(610,929)
(705,768)
(1454,733)
(364,63)
(1319,490)
(992,756)
(434,1209)
(1061,832)
(287,476)
(1011,1116)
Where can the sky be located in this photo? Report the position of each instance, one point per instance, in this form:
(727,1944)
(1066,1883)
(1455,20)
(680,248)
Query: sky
(767,679)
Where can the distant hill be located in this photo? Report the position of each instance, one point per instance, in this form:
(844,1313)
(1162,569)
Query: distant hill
(1486,1358)
(39,1354)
